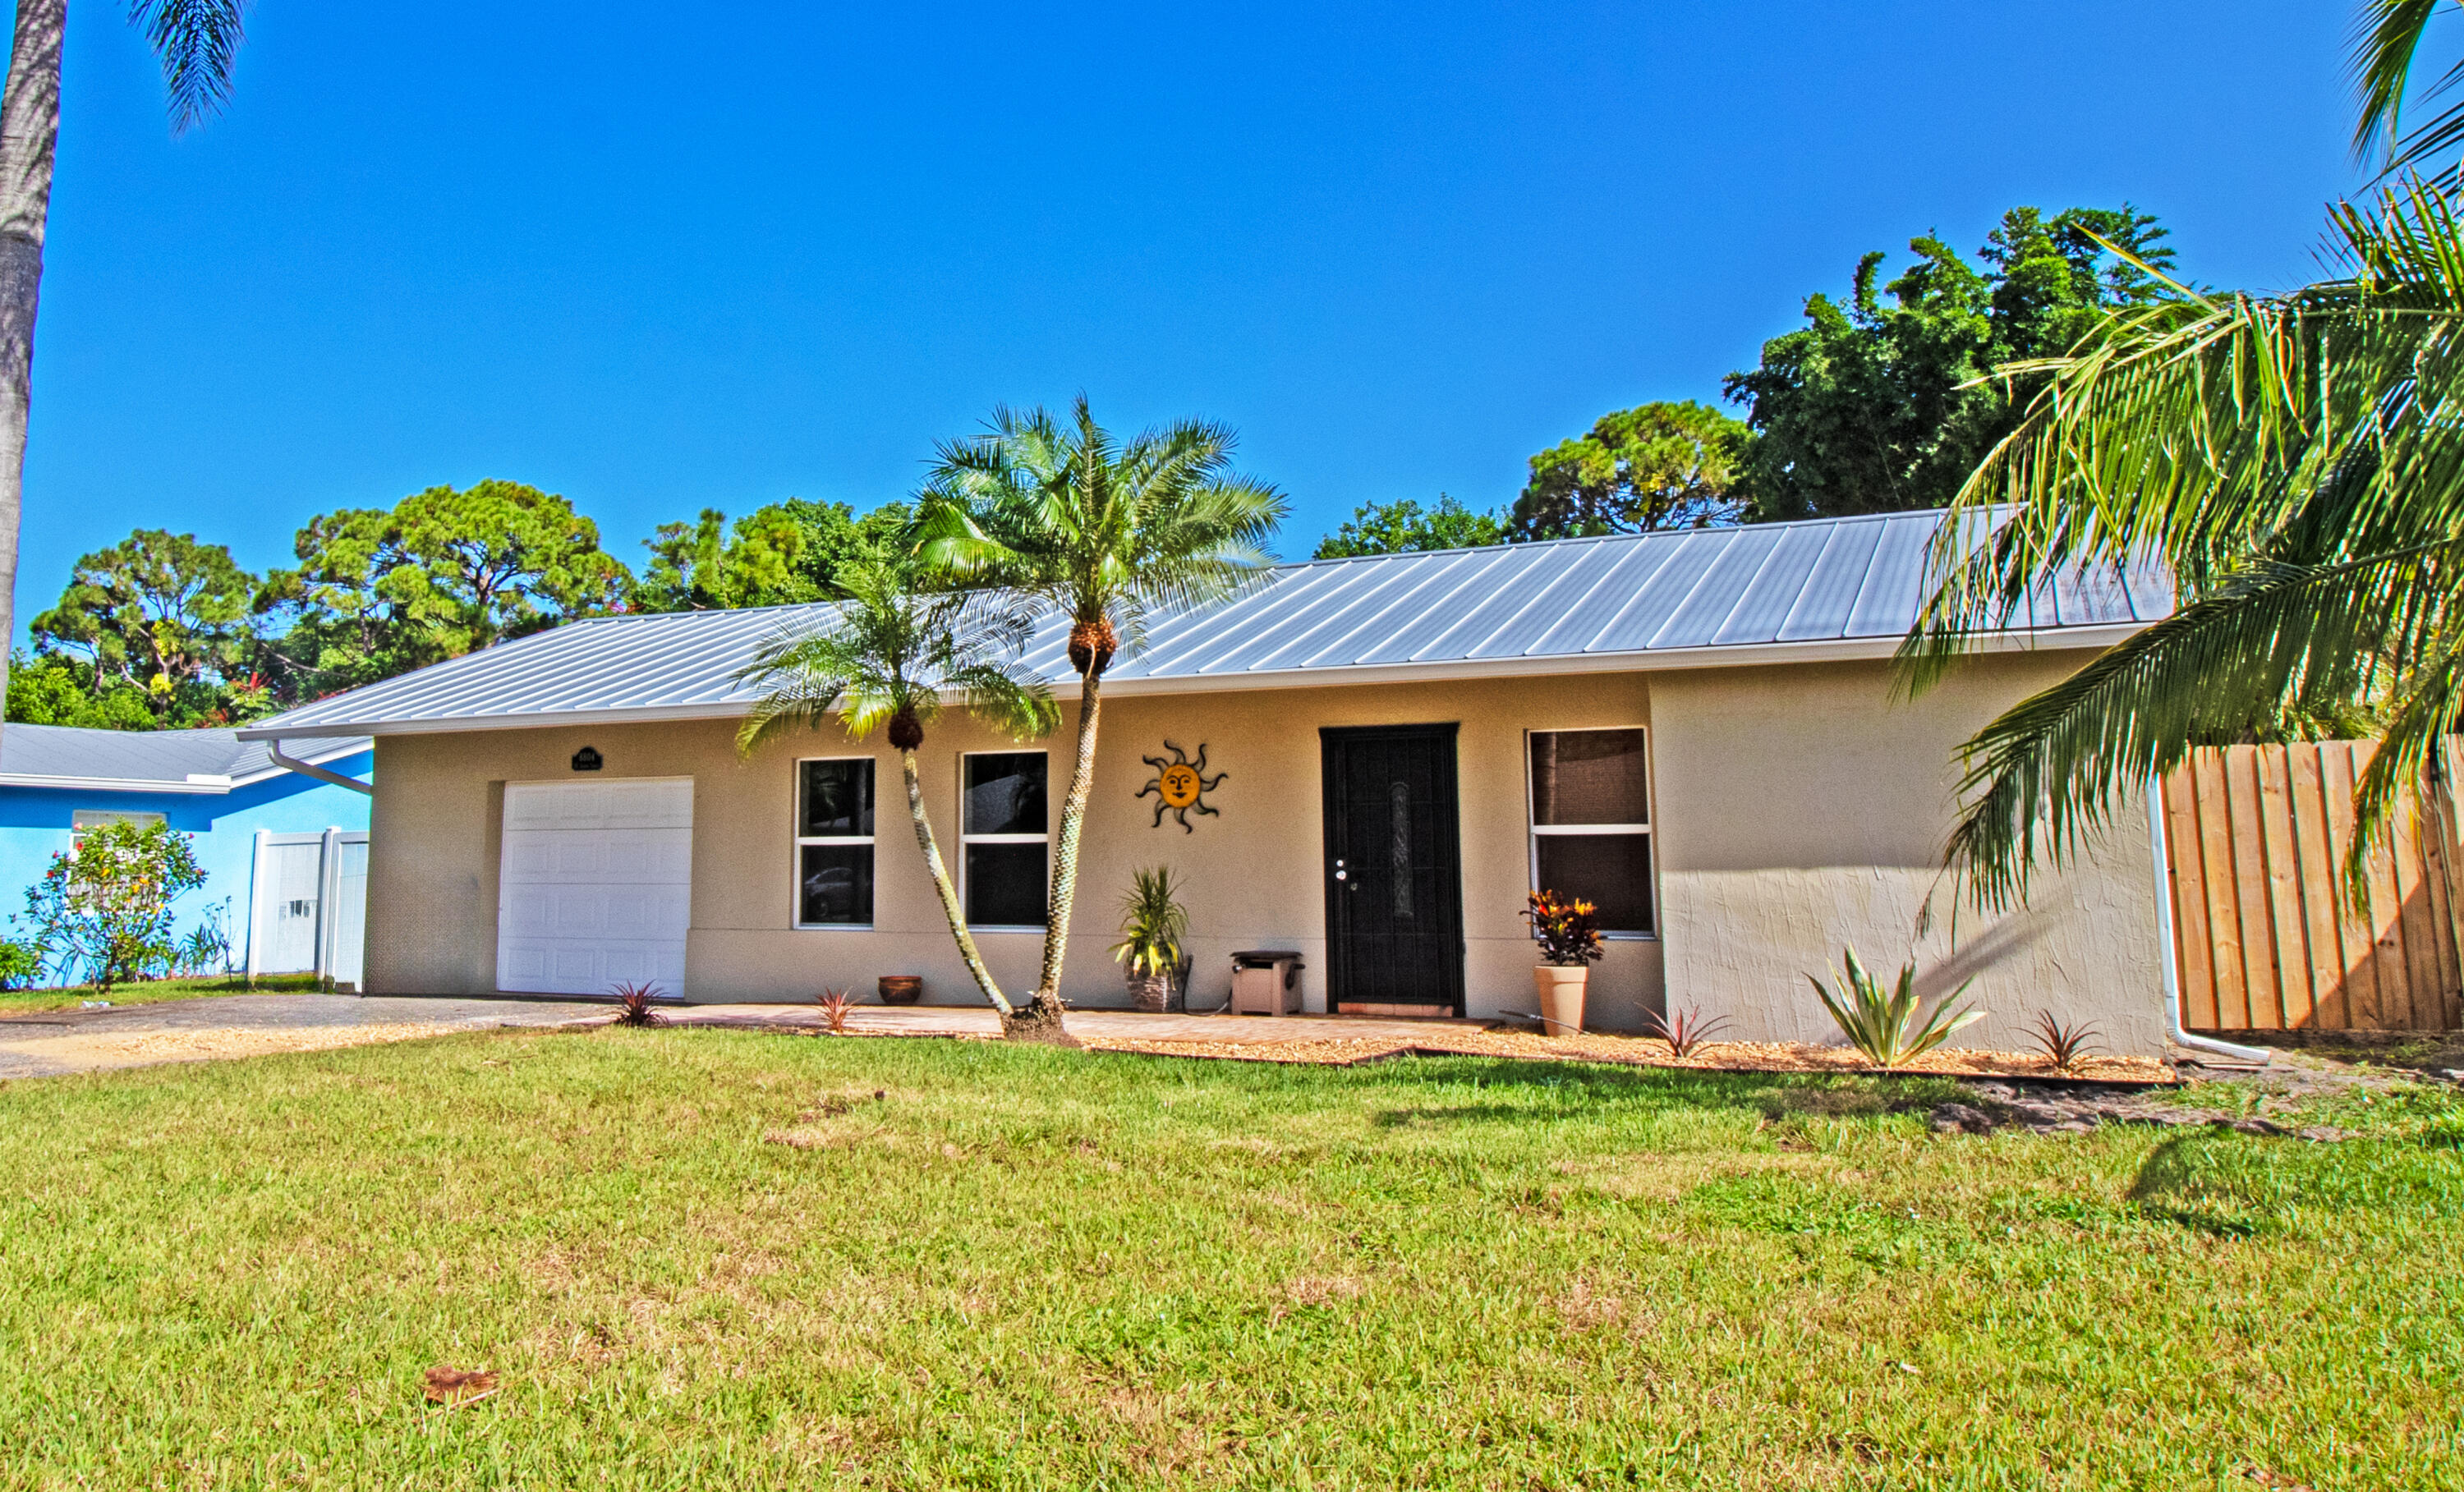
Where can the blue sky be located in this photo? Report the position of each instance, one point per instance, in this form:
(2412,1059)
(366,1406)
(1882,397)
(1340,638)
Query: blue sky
(663,257)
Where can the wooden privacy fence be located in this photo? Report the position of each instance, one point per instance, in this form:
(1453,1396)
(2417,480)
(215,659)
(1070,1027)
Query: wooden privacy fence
(2257,838)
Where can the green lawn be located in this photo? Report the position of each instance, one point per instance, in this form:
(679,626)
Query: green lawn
(146,992)
(1028,1269)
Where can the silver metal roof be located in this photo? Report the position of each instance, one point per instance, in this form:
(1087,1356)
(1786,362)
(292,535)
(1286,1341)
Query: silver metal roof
(1769,593)
(146,761)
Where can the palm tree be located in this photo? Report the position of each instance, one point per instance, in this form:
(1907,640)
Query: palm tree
(2297,463)
(892,656)
(1108,535)
(196,41)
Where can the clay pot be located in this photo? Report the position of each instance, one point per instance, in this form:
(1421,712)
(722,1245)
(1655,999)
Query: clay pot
(901,989)
(1560,987)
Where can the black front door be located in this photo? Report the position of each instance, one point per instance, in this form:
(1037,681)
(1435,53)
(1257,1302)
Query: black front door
(1394,867)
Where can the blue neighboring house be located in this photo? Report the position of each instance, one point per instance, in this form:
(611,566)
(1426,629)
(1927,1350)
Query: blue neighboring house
(56,779)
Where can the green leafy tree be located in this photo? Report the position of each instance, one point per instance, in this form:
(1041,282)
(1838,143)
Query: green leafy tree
(1656,466)
(1404,526)
(443,573)
(889,657)
(2295,463)
(1876,407)
(836,536)
(1106,533)
(195,41)
(157,611)
(702,566)
(102,910)
(778,555)
(53,690)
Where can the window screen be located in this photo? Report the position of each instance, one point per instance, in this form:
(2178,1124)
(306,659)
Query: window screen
(1591,822)
(1007,836)
(834,842)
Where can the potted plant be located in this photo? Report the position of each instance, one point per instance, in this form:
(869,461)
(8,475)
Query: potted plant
(1569,934)
(1153,923)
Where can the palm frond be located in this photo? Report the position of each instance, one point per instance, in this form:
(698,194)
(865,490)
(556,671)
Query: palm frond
(2385,40)
(197,41)
(2045,774)
(2294,466)
(1099,530)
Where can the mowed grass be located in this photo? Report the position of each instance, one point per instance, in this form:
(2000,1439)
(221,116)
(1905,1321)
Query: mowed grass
(1024,1268)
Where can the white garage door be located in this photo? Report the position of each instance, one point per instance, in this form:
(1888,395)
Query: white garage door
(597,886)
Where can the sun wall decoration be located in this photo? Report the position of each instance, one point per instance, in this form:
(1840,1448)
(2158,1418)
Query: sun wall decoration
(1178,784)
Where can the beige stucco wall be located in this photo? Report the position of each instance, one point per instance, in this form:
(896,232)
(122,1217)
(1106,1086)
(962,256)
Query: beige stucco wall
(1797,808)
(1801,809)
(1251,876)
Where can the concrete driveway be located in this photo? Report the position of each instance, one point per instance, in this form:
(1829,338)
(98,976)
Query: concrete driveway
(48,1043)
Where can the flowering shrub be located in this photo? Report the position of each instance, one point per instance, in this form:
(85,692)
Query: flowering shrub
(1569,932)
(103,910)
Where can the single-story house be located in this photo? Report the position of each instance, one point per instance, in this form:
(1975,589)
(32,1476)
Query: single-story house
(1696,730)
(238,802)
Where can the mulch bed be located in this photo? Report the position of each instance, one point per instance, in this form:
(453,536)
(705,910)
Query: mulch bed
(1638,1051)
(1448,1039)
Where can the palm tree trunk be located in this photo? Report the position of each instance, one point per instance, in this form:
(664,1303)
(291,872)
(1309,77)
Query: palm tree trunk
(1041,1021)
(30,125)
(941,882)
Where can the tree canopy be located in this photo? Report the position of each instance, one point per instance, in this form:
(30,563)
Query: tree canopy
(1656,466)
(784,553)
(1876,405)
(441,574)
(1404,526)
(157,610)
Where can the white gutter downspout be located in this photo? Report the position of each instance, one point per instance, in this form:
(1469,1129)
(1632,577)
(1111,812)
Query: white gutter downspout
(311,769)
(2247,1055)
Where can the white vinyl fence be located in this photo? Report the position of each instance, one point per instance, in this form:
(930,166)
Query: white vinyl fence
(308,905)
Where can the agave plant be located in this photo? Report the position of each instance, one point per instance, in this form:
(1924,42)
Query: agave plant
(835,1006)
(1885,1026)
(1686,1030)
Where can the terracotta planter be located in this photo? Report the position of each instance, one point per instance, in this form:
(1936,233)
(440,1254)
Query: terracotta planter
(901,989)
(1560,987)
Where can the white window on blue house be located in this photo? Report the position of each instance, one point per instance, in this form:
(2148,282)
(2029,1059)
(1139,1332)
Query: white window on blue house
(84,819)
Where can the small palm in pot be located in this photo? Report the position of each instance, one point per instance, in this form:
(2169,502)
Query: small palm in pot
(1153,923)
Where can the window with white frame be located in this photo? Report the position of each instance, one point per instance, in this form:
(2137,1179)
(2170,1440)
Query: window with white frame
(84,819)
(834,842)
(1591,822)
(1006,837)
